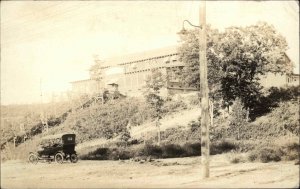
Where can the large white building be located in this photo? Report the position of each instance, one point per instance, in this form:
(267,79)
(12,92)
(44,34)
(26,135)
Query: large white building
(129,73)
(279,80)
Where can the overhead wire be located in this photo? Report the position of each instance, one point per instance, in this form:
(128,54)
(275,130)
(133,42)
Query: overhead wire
(60,15)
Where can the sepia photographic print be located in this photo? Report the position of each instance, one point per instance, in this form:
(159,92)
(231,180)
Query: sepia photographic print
(150,94)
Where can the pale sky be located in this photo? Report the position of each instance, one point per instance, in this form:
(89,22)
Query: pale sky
(56,41)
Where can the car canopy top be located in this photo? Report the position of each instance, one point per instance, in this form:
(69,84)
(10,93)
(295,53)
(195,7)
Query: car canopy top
(57,138)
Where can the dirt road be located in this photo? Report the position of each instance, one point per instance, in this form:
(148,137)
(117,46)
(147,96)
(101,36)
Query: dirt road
(166,173)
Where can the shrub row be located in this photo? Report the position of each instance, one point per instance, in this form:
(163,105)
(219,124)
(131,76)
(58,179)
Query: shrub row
(273,97)
(269,153)
(282,121)
(155,151)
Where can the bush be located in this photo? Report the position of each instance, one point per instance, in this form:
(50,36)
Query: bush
(125,154)
(222,146)
(174,135)
(267,151)
(98,154)
(192,149)
(133,142)
(268,154)
(172,150)
(119,153)
(235,158)
(273,98)
(291,151)
(107,154)
(152,150)
(113,154)
(252,156)
(173,106)
(194,100)
(246,145)
(195,130)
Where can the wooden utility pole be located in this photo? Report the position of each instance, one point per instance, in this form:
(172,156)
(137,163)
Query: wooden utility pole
(205,120)
(43,116)
(53,103)
(157,124)
(15,141)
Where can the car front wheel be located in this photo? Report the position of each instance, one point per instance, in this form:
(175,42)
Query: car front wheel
(59,158)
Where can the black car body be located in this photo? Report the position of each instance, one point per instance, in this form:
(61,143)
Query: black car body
(56,148)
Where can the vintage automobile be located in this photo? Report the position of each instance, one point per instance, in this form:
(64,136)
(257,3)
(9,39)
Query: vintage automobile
(56,148)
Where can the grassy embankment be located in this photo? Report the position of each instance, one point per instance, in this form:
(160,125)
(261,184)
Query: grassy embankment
(103,132)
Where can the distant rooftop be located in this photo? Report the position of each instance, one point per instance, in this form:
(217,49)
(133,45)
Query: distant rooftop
(82,80)
(148,54)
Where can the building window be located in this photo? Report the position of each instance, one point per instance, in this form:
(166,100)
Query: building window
(167,60)
(172,76)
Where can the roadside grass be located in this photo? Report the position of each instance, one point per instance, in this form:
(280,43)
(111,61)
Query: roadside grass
(259,152)
(21,152)
(166,150)
(236,157)
(277,150)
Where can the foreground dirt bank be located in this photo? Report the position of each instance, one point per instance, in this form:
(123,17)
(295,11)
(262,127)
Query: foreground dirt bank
(167,173)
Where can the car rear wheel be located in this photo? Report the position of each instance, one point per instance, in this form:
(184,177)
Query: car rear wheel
(59,158)
(33,158)
(73,158)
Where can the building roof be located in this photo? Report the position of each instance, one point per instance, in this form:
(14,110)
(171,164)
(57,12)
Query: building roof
(54,136)
(295,74)
(81,81)
(139,56)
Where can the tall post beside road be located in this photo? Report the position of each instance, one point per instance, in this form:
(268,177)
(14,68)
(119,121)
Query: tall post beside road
(205,120)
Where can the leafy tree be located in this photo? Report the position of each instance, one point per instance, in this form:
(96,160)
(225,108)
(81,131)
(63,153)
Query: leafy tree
(124,137)
(154,83)
(238,116)
(96,71)
(245,54)
(236,59)
(189,54)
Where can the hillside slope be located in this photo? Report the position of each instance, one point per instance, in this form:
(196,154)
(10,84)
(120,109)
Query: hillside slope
(100,125)
(174,120)
(181,118)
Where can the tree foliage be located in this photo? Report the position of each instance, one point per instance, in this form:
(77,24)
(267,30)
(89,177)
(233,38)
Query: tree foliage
(238,116)
(95,70)
(154,83)
(189,54)
(236,59)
